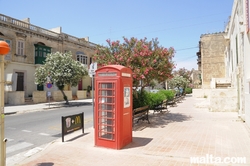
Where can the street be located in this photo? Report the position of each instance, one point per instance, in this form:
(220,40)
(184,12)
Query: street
(34,130)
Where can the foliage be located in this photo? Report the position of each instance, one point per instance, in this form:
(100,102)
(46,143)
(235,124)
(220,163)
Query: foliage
(140,98)
(62,69)
(146,59)
(155,99)
(89,88)
(183,72)
(178,81)
(188,90)
(169,94)
(151,99)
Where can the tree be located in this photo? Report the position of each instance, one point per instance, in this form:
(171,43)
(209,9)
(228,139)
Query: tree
(178,81)
(146,59)
(184,73)
(62,69)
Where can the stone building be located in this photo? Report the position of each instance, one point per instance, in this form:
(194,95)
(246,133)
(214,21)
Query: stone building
(211,57)
(29,46)
(229,88)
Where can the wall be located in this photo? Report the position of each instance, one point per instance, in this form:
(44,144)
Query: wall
(212,57)
(16,98)
(81,94)
(201,93)
(223,100)
(58,96)
(39,97)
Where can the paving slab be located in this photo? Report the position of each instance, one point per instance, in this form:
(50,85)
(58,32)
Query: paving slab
(172,138)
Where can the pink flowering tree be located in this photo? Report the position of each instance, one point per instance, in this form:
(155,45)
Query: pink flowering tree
(146,59)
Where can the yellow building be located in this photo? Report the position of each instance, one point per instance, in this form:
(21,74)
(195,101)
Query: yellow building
(29,46)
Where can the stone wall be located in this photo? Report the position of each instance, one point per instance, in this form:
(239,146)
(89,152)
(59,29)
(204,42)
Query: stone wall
(201,93)
(223,100)
(58,96)
(39,97)
(16,98)
(212,57)
(81,94)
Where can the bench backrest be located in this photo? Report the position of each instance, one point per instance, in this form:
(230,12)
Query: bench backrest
(140,109)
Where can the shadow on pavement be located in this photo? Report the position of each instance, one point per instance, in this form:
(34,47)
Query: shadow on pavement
(160,120)
(137,142)
(71,104)
(44,164)
(76,137)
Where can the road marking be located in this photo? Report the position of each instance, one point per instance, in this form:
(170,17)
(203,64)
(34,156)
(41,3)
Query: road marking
(18,146)
(45,134)
(33,151)
(27,131)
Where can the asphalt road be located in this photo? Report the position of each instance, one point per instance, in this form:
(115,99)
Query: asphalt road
(36,129)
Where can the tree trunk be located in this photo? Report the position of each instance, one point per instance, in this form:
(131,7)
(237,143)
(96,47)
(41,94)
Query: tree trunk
(65,97)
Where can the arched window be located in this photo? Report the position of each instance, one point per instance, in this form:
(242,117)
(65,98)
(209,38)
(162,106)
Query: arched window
(82,58)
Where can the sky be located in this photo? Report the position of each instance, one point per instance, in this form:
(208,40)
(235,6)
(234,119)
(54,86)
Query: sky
(177,24)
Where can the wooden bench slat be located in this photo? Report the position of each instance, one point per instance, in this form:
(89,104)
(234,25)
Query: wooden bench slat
(141,113)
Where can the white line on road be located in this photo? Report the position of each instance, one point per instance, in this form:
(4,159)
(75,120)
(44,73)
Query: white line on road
(17,147)
(27,131)
(45,134)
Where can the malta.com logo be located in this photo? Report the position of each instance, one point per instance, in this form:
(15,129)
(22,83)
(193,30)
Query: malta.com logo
(210,159)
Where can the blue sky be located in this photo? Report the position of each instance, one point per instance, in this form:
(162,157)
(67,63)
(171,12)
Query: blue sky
(177,24)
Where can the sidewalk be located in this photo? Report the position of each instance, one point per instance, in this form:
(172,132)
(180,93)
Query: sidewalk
(171,139)
(9,109)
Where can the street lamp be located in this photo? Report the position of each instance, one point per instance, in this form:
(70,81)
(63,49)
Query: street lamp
(4,49)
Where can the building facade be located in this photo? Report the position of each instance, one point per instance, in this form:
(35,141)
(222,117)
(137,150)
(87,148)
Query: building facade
(211,58)
(29,46)
(238,57)
(233,72)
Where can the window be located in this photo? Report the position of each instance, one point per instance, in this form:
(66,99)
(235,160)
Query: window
(82,58)
(41,52)
(20,47)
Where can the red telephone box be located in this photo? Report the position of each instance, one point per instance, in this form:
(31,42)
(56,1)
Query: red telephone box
(113,106)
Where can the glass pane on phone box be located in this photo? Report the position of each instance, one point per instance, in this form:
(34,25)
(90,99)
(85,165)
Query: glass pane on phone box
(106,85)
(106,100)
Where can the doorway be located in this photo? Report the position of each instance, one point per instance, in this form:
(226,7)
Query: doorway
(20,81)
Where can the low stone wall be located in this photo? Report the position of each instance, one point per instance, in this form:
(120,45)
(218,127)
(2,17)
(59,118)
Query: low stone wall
(223,100)
(90,94)
(58,96)
(201,93)
(81,94)
(39,97)
(15,97)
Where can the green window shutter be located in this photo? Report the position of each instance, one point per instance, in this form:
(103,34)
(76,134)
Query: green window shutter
(41,52)
(40,87)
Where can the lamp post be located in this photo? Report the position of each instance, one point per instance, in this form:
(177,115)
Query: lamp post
(4,49)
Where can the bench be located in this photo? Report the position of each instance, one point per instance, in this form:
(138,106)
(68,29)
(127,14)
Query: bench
(172,102)
(141,113)
(161,106)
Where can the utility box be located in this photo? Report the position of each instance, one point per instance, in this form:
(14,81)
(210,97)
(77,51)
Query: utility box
(113,106)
